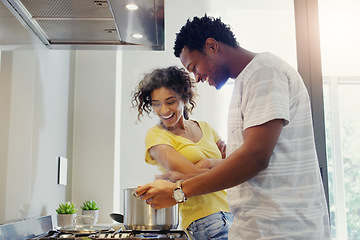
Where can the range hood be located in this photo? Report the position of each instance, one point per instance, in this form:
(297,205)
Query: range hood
(84,24)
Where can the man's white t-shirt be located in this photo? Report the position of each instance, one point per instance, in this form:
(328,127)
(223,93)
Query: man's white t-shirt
(286,200)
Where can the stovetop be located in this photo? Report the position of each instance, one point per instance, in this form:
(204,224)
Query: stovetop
(41,228)
(120,234)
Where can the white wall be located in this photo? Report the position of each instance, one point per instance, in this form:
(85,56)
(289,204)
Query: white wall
(58,103)
(34,122)
(94,130)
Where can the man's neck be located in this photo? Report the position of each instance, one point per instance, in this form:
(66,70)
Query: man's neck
(238,59)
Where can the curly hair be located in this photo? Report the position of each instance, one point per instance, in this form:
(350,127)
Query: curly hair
(174,78)
(194,34)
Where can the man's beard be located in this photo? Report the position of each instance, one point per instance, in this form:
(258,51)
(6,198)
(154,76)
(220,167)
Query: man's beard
(221,76)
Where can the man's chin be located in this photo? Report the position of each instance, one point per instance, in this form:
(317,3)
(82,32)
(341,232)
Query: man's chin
(219,85)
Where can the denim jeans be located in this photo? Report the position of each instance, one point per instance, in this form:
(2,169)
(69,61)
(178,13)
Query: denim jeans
(215,226)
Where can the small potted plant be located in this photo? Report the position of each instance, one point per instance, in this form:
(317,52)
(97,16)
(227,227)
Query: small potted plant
(66,213)
(90,208)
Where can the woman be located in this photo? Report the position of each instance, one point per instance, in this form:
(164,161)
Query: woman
(179,144)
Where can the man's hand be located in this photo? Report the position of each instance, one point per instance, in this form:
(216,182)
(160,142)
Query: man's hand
(158,194)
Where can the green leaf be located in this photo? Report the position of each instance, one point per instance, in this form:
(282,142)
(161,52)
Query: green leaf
(66,208)
(89,205)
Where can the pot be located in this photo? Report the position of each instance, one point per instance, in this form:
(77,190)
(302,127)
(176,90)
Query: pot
(138,215)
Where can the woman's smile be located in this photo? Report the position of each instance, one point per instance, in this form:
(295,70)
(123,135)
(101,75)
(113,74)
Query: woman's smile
(168,106)
(168,116)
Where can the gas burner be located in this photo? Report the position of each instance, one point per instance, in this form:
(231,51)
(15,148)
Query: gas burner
(42,229)
(53,234)
(120,234)
(143,234)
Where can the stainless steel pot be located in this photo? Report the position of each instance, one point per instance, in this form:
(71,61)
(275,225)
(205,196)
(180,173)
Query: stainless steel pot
(138,215)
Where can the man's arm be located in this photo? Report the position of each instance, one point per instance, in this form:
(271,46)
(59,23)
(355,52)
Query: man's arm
(243,164)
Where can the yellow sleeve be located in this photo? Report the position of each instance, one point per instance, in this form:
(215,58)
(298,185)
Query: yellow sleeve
(155,136)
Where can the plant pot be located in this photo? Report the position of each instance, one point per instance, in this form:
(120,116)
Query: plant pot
(93,213)
(65,220)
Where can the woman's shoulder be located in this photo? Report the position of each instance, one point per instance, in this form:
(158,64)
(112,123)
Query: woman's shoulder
(156,130)
(206,127)
(202,124)
(158,135)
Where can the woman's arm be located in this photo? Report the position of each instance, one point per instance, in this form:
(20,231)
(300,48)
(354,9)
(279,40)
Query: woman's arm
(210,162)
(172,160)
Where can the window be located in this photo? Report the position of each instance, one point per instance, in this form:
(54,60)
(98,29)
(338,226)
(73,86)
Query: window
(342,118)
(340,56)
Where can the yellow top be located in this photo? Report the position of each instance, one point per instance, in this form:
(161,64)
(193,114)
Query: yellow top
(199,206)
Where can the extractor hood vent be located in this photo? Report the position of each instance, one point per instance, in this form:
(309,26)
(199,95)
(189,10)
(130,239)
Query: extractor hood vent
(64,24)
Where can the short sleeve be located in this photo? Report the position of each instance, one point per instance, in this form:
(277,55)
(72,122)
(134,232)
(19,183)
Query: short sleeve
(266,97)
(155,136)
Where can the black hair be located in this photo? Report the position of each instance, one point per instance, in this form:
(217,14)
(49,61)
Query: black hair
(194,34)
(174,78)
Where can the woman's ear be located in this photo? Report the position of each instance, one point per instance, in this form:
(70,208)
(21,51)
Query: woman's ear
(211,44)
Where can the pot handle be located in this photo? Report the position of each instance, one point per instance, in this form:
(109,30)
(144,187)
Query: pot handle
(135,194)
(117,217)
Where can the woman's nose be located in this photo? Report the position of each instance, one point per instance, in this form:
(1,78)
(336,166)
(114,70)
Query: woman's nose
(164,109)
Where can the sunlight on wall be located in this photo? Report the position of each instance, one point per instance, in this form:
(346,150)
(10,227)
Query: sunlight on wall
(340,36)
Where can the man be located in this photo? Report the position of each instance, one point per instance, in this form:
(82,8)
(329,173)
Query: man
(275,188)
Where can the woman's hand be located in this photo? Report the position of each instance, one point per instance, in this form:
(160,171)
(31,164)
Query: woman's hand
(222,147)
(158,194)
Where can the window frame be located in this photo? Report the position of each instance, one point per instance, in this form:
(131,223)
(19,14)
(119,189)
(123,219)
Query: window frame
(309,67)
